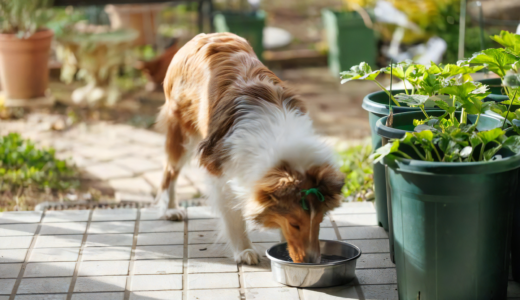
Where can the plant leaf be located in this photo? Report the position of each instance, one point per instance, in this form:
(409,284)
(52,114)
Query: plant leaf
(512,143)
(490,135)
(381,152)
(466,151)
(512,80)
(413,100)
(363,71)
(497,61)
(509,40)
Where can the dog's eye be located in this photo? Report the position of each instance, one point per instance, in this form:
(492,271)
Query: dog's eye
(295,227)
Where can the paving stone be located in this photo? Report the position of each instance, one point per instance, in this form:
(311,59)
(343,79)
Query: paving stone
(332,293)
(39,297)
(212,265)
(12,255)
(202,237)
(271,294)
(101,154)
(6,286)
(100,284)
(376,276)
(147,137)
(208,250)
(134,197)
(215,294)
(168,238)
(54,254)
(152,213)
(213,280)
(112,227)
(131,185)
(108,171)
(200,212)
(44,285)
(170,295)
(103,268)
(203,225)
(160,226)
(106,253)
(58,241)
(66,216)
(156,282)
(355,233)
(326,222)
(154,178)
(104,240)
(260,280)
(121,214)
(262,247)
(15,242)
(16,217)
(98,296)
(356,220)
(379,292)
(265,236)
(187,192)
(354,208)
(158,267)
(159,252)
(328,234)
(63,228)
(18,229)
(137,165)
(263,266)
(52,269)
(371,246)
(370,261)
(10,270)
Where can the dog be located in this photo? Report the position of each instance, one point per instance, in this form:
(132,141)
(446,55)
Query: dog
(266,164)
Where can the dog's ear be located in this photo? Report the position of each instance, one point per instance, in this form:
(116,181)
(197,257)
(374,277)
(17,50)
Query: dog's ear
(330,181)
(279,182)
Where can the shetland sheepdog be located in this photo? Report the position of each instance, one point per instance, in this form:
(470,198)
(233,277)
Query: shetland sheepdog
(266,164)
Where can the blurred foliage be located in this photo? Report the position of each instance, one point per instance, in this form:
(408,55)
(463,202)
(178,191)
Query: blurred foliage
(64,19)
(23,165)
(24,17)
(357,167)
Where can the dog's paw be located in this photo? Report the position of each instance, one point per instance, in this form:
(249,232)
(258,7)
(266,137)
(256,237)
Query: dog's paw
(174,215)
(248,256)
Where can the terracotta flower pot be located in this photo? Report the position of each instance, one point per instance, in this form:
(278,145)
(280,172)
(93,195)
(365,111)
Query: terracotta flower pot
(24,72)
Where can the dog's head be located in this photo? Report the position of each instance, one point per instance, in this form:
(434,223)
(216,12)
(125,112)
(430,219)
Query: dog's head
(281,202)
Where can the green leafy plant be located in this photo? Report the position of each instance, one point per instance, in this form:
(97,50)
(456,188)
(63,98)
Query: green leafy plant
(24,17)
(23,165)
(356,164)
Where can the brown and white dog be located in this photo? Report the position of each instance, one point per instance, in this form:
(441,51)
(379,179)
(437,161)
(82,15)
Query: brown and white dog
(255,139)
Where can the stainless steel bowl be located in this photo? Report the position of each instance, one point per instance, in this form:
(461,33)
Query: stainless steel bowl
(326,274)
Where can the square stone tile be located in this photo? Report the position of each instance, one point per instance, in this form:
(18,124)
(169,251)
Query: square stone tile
(39,297)
(112,227)
(156,282)
(155,177)
(328,234)
(56,216)
(18,229)
(212,265)
(377,276)
(202,225)
(262,247)
(103,268)
(15,217)
(203,237)
(54,254)
(160,226)
(263,266)
(158,267)
(260,280)
(333,293)
(10,270)
(98,296)
(170,295)
(137,164)
(44,285)
(265,236)
(213,281)
(100,284)
(63,228)
(370,261)
(200,212)
(271,294)
(354,208)
(106,253)
(152,213)
(107,171)
(105,240)
(355,220)
(58,241)
(131,185)
(224,294)
(380,292)
(134,197)
(168,238)
(326,222)
(159,252)
(122,214)
(371,246)
(6,286)
(52,269)
(15,242)
(208,250)
(358,233)
(12,255)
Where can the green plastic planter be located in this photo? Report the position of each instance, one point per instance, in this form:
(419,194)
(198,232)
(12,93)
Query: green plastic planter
(495,86)
(247,25)
(350,41)
(451,222)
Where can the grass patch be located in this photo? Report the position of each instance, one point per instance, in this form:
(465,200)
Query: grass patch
(357,166)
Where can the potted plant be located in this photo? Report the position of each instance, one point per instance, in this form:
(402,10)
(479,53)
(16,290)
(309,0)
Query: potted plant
(453,180)
(24,52)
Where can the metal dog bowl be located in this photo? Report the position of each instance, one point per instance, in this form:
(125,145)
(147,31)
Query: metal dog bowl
(337,267)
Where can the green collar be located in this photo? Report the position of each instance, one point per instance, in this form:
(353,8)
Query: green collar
(314,191)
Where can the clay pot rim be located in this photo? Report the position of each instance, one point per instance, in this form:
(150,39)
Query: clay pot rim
(40,34)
